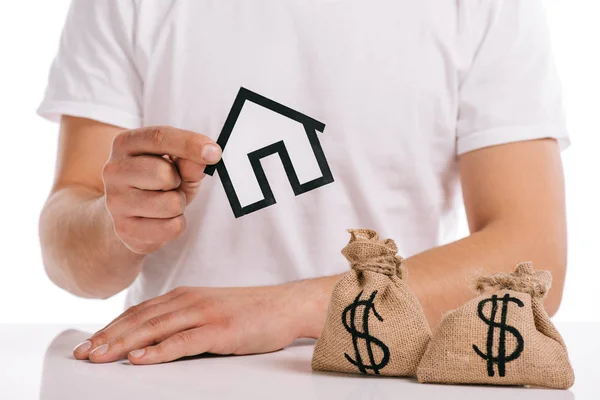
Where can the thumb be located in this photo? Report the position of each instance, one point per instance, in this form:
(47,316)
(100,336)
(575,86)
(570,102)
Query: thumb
(191,173)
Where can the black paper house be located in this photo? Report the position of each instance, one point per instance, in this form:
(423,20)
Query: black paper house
(311,126)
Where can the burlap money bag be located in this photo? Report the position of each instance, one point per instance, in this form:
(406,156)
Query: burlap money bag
(503,337)
(374,325)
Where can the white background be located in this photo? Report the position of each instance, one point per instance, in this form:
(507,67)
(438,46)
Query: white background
(29,33)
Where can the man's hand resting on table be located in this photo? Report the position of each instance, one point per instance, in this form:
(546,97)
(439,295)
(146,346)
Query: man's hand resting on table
(191,320)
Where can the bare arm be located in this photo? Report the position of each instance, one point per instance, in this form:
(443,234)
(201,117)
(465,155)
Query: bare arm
(117,196)
(80,250)
(515,205)
(514,199)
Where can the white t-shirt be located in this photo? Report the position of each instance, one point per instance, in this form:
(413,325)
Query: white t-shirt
(333,114)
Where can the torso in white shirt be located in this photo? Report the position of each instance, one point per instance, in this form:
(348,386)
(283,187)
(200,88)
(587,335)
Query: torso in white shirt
(368,105)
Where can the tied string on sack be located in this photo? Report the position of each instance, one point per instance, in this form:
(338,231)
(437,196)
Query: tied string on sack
(504,336)
(525,280)
(375,324)
(367,252)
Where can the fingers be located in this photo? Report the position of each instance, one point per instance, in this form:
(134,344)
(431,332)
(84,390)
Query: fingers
(146,235)
(144,220)
(185,343)
(144,172)
(151,331)
(132,318)
(162,140)
(146,203)
(171,295)
(142,181)
(191,175)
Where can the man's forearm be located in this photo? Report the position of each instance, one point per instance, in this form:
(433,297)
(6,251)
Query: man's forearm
(81,252)
(440,277)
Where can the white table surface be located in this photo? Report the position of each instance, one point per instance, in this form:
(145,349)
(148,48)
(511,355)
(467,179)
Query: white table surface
(36,362)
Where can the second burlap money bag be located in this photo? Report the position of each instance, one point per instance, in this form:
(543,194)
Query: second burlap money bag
(375,324)
(503,337)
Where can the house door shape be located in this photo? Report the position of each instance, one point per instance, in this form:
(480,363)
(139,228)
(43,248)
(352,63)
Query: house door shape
(311,127)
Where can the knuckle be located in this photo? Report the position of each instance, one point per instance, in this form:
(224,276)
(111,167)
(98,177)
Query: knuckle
(158,323)
(111,169)
(157,134)
(133,309)
(182,199)
(120,140)
(133,319)
(181,224)
(122,226)
(176,204)
(109,201)
(181,290)
(211,310)
(178,225)
(165,173)
(154,323)
(183,338)
(188,297)
(198,298)
(112,201)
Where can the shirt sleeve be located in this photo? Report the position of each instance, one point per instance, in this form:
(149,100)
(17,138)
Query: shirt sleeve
(94,75)
(511,91)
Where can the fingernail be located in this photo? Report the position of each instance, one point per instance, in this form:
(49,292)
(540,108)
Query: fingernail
(98,351)
(83,347)
(211,153)
(137,353)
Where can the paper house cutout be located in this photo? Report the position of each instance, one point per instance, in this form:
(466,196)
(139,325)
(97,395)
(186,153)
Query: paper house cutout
(311,127)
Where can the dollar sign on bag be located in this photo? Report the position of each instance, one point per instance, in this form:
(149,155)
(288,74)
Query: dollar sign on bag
(367,340)
(501,359)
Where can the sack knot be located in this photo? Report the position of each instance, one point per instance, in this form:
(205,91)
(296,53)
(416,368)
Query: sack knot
(525,279)
(366,251)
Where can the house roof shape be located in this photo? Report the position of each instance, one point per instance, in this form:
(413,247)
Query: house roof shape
(311,127)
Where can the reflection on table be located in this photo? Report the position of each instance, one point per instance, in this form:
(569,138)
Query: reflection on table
(284,374)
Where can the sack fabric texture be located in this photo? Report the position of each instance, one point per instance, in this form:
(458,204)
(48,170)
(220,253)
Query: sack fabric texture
(375,324)
(502,337)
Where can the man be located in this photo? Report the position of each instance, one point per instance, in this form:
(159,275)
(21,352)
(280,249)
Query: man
(375,109)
